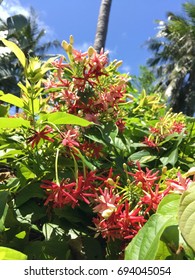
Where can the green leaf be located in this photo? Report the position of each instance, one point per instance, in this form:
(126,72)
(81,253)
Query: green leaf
(13,122)
(144,246)
(50,230)
(16,23)
(21,235)
(4,110)
(29,192)
(11,254)
(12,99)
(139,155)
(169,205)
(16,50)
(163,251)
(146,159)
(65,118)
(171,157)
(187,216)
(3,208)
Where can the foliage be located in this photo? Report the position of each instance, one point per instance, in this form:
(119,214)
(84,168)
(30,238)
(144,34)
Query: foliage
(173,59)
(26,34)
(86,163)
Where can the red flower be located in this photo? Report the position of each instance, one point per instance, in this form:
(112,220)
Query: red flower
(149,143)
(67,193)
(121,125)
(152,198)
(177,127)
(59,195)
(122,224)
(146,178)
(38,135)
(92,150)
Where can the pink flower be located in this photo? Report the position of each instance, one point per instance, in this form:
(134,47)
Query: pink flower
(79,56)
(106,203)
(70,138)
(179,185)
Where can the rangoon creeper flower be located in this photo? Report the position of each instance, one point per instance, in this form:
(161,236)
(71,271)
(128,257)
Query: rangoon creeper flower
(106,203)
(38,135)
(181,184)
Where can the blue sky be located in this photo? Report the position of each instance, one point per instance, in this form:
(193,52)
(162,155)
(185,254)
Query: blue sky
(131,24)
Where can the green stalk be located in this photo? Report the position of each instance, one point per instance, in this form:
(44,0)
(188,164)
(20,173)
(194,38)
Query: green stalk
(56,167)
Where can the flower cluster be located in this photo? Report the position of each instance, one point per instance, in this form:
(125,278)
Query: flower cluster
(168,125)
(117,217)
(87,86)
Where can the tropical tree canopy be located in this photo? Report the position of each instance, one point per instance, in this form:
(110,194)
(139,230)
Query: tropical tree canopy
(27,34)
(173,60)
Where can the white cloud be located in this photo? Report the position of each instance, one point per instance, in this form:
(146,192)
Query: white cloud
(83,47)
(12,7)
(125,68)
(4,50)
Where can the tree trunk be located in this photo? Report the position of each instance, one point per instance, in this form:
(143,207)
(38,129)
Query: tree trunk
(102,25)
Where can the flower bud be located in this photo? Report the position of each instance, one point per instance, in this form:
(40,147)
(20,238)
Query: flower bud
(71,38)
(65,45)
(110,181)
(139,185)
(190,172)
(119,63)
(164,170)
(125,166)
(91,51)
(69,49)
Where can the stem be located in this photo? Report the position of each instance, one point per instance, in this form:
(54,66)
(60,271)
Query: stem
(56,167)
(82,159)
(76,169)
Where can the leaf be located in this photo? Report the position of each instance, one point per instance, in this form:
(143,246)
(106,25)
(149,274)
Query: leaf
(29,192)
(11,254)
(163,251)
(144,246)
(13,122)
(21,235)
(3,208)
(12,99)
(169,205)
(4,110)
(16,23)
(65,118)
(109,132)
(171,157)
(16,50)
(139,155)
(50,230)
(146,159)
(187,216)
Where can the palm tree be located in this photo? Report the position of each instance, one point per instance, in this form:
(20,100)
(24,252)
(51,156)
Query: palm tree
(25,32)
(102,25)
(174,59)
